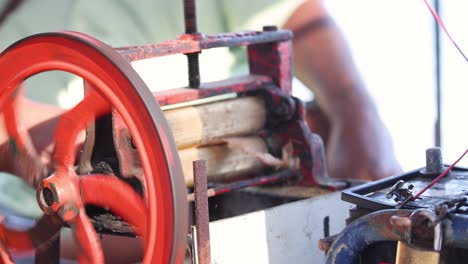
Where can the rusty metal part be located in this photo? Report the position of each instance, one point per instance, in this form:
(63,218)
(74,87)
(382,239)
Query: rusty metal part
(444,208)
(258,180)
(274,60)
(193,70)
(412,227)
(191,44)
(419,232)
(190,16)
(190,19)
(309,149)
(363,232)
(325,243)
(281,106)
(270,63)
(400,221)
(202,220)
(114,80)
(400,191)
(240,84)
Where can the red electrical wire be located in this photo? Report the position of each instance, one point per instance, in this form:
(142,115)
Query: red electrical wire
(440,176)
(442,25)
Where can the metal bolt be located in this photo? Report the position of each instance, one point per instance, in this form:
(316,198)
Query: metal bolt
(434,162)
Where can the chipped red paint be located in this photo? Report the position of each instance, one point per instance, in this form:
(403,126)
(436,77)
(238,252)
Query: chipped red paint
(270,64)
(193,43)
(273,60)
(256,181)
(307,146)
(241,84)
(165,48)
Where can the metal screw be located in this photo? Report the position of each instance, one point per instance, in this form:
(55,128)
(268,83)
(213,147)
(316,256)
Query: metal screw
(190,18)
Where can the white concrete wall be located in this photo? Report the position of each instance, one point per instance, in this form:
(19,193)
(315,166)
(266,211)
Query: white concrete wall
(285,234)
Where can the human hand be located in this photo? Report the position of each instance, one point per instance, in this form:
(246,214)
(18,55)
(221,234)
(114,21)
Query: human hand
(32,160)
(18,161)
(360,147)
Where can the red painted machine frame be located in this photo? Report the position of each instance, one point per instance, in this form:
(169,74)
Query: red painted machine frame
(270,62)
(270,65)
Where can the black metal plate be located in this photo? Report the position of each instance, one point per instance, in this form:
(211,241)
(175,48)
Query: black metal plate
(372,195)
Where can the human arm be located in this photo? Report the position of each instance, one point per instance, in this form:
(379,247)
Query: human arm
(359,145)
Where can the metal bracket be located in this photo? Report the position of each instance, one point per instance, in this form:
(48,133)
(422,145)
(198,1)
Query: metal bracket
(431,216)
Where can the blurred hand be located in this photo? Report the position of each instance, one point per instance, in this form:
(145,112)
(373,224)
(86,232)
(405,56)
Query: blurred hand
(31,164)
(358,145)
(19,162)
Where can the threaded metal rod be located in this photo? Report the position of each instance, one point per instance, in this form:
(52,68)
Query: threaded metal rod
(190,16)
(193,70)
(190,19)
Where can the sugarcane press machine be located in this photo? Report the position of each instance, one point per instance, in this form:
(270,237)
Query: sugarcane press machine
(126,178)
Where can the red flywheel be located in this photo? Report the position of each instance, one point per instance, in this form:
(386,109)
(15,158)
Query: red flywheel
(159,218)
